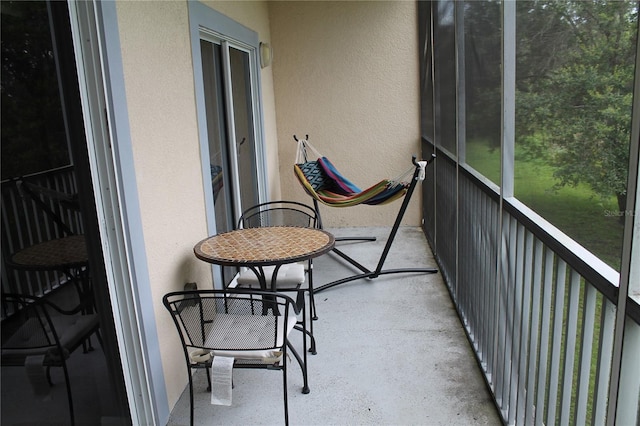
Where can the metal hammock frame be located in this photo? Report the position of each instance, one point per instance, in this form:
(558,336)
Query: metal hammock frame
(328,186)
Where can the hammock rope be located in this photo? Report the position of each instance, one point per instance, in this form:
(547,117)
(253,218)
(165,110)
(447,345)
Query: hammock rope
(322,181)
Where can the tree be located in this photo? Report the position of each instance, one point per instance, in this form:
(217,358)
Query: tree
(578,109)
(33,134)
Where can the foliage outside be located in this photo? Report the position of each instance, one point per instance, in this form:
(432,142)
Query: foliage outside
(576,210)
(574,85)
(575,110)
(33,133)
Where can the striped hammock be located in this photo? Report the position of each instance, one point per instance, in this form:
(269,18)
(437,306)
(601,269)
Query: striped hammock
(322,181)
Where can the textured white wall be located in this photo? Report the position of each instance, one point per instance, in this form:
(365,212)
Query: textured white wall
(347,74)
(164,134)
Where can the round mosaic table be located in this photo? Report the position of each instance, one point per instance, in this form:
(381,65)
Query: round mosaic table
(59,254)
(265,246)
(67,255)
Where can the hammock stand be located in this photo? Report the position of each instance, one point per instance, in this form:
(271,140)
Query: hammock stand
(327,186)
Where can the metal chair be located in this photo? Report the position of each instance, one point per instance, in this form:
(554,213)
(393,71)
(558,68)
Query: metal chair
(251,326)
(46,216)
(290,277)
(42,335)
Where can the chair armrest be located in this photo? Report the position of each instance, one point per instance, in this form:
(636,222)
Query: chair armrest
(26,299)
(57,308)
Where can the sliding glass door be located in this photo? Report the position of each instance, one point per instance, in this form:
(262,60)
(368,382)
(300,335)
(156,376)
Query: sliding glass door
(49,216)
(232,174)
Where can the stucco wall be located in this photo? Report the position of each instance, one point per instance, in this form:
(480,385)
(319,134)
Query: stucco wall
(158,74)
(347,74)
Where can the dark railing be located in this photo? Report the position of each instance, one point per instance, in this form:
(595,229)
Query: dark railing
(36,208)
(538,308)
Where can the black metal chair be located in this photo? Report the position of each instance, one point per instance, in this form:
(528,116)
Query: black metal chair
(251,326)
(54,204)
(41,335)
(47,215)
(290,277)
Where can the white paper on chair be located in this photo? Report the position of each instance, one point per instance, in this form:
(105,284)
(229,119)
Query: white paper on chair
(221,380)
(37,375)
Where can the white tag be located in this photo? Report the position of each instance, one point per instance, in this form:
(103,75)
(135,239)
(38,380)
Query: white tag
(423,166)
(221,380)
(37,375)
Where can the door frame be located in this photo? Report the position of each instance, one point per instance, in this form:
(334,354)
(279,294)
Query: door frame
(207,23)
(94,27)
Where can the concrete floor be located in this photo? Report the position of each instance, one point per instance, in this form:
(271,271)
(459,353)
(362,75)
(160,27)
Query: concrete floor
(391,351)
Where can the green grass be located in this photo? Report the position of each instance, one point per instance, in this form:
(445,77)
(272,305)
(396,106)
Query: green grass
(577,211)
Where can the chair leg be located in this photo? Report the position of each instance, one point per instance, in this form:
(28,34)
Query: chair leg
(312,299)
(284,389)
(69,397)
(191,394)
(300,328)
(312,347)
(303,361)
(312,308)
(87,346)
(303,367)
(99,336)
(305,389)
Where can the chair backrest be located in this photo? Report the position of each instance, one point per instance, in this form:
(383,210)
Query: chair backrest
(279,213)
(53,204)
(229,321)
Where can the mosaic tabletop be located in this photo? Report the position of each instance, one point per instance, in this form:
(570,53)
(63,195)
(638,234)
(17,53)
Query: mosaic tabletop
(67,252)
(264,246)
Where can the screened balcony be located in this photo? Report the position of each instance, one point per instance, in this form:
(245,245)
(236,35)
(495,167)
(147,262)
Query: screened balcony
(551,315)
(530,357)
(514,107)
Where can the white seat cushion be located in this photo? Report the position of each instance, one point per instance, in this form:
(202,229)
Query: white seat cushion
(235,331)
(288,275)
(29,339)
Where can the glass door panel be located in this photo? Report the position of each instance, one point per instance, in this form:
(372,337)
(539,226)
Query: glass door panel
(220,168)
(230,124)
(244,126)
(48,203)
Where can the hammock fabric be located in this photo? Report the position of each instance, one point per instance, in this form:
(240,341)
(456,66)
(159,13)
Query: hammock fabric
(322,181)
